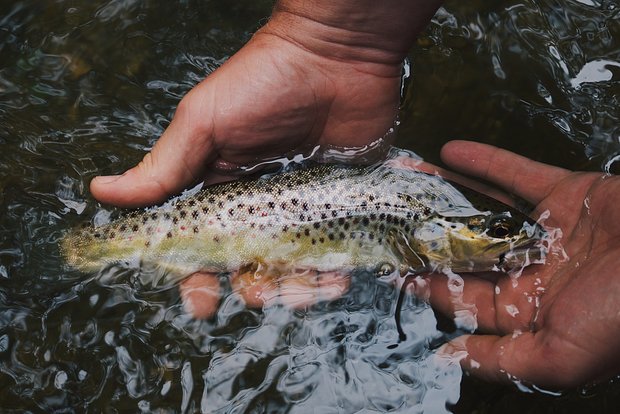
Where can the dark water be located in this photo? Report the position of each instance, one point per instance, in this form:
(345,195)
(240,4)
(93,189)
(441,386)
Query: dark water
(86,88)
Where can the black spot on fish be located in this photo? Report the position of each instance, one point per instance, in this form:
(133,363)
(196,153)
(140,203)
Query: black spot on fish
(330,224)
(153,216)
(191,203)
(302,217)
(304,206)
(323,216)
(123,227)
(144,219)
(331,236)
(284,229)
(365,221)
(313,241)
(317,225)
(211,200)
(231,212)
(341,221)
(416,217)
(135,228)
(196,229)
(328,206)
(166,216)
(371,236)
(334,213)
(283,206)
(373,216)
(382,216)
(271,204)
(169,235)
(147,243)
(251,210)
(97,235)
(230,197)
(298,235)
(175,220)
(220,204)
(346,225)
(205,210)
(294,201)
(195,214)
(183,213)
(307,232)
(322,239)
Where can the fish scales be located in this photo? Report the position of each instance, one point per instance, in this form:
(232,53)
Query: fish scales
(324,217)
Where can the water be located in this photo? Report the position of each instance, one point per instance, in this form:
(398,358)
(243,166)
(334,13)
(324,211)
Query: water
(86,88)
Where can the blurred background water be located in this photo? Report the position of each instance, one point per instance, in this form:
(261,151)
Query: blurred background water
(87,87)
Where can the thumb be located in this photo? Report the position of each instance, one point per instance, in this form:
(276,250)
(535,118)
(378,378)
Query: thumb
(178,160)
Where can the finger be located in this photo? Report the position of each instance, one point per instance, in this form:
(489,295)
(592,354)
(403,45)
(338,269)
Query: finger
(412,163)
(306,289)
(200,294)
(498,305)
(178,160)
(519,175)
(297,289)
(528,357)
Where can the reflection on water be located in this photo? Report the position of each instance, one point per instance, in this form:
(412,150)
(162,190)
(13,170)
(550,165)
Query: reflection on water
(86,87)
(517,77)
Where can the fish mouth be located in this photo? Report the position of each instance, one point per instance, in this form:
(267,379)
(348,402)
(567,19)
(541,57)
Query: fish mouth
(520,257)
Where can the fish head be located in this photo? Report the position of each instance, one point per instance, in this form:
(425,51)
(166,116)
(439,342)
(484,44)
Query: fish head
(483,242)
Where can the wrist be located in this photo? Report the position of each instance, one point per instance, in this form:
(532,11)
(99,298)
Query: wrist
(356,31)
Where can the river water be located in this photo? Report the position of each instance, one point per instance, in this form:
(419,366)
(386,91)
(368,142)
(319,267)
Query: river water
(87,87)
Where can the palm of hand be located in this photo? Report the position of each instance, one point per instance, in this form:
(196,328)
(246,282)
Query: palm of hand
(554,325)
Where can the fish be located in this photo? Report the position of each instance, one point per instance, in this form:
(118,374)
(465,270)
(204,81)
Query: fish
(326,217)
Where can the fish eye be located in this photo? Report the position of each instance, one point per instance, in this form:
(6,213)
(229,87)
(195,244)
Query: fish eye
(501,227)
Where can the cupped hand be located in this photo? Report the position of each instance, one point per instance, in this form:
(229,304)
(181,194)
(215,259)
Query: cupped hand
(556,324)
(271,98)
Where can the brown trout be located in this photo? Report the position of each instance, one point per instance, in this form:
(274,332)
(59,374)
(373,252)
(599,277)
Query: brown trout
(327,217)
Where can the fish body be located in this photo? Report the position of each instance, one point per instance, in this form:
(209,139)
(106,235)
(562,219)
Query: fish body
(325,217)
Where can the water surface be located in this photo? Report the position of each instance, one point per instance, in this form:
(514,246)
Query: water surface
(87,87)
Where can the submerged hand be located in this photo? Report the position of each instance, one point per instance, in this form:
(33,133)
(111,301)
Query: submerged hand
(557,325)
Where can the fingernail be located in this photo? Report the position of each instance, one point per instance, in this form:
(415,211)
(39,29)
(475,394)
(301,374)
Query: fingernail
(106,179)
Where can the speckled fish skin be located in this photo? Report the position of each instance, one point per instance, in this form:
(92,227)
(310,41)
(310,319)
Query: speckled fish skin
(324,217)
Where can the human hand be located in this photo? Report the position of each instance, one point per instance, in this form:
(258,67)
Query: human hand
(556,324)
(271,98)
(318,73)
